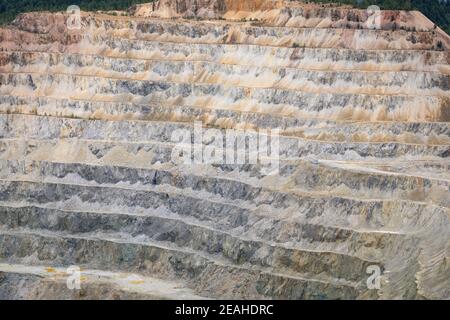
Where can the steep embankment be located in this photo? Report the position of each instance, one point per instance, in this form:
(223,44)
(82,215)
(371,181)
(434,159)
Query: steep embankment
(87,175)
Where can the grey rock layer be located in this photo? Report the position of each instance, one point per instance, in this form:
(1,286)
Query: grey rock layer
(88,177)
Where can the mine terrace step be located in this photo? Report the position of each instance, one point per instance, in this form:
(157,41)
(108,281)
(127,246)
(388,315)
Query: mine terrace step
(373,83)
(251,56)
(313,179)
(346,212)
(290,149)
(177,32)
(233,248)
(331,106)
(266,231)
(123,114)
(50,282)
(200,29)
(98,252)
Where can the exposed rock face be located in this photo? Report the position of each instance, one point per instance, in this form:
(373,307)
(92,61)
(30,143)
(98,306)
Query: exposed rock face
(87,175)
(203,8)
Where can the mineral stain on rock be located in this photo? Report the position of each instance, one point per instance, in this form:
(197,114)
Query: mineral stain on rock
(88,179)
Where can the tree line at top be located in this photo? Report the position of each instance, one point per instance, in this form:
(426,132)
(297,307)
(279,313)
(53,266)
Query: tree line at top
(437,11)
(10,9)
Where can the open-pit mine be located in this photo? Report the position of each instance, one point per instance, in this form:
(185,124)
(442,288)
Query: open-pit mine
(357,101)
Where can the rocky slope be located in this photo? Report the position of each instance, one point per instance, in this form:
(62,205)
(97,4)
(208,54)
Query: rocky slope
(87,175)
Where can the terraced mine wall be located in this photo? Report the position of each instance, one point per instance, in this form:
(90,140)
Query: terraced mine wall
(88,178)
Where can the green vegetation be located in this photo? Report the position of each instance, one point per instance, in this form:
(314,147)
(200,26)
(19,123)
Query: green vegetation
(437,11)
(9,9)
